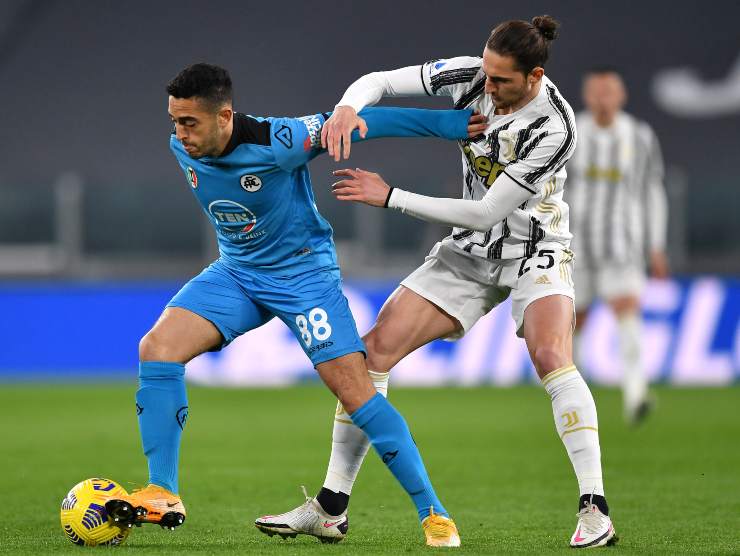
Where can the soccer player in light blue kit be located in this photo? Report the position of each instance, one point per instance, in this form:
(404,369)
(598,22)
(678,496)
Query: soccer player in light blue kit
(277,258)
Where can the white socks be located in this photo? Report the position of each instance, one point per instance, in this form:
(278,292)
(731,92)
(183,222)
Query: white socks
(573,408)
(349,444)
(575,420)
(634,382)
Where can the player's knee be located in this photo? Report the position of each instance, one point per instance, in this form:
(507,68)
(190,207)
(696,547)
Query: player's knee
(547,358)
(381,353)
(152,347)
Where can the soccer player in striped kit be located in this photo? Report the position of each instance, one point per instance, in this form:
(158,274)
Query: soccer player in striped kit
(511,238)
(618,215)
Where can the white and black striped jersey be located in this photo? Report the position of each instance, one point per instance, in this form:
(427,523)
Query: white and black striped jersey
(531,145)
(615,191)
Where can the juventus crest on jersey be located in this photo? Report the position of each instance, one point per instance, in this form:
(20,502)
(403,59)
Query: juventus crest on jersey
(530,145)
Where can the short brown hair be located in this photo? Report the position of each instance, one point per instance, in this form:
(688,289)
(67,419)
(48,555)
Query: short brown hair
(527,43)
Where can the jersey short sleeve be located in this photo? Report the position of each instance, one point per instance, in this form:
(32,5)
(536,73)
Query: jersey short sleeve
(541,157)
(296,141)
(453,77)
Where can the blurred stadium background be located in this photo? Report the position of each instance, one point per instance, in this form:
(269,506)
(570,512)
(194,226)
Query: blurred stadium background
(98,230)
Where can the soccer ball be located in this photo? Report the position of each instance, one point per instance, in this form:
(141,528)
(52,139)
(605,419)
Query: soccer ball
(84,519)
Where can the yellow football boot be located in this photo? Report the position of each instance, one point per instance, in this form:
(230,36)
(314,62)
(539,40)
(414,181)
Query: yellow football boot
(440,531)
(151,504)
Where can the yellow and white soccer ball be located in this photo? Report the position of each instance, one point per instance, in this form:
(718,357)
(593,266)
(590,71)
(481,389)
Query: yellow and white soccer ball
(84,519)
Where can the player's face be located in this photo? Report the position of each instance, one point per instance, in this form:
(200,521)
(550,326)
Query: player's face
(506,84)
(197,126)
(604,95)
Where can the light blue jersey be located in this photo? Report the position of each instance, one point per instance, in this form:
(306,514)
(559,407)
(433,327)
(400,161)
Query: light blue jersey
(258,193)
(277,253)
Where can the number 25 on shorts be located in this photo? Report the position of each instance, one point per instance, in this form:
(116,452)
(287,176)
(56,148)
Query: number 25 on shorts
(319,323)
(543,253)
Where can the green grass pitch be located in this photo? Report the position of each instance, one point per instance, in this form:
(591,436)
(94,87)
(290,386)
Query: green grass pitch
(673,485)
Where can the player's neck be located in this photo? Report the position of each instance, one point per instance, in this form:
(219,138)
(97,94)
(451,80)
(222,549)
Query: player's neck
(225,138)
(605,121)
(521,103)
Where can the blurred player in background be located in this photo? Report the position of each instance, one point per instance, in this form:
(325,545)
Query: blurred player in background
(510,238)
(277,258)
(618,210)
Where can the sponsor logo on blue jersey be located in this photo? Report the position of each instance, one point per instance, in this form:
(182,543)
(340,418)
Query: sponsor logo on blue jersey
(313,125)
(234,220)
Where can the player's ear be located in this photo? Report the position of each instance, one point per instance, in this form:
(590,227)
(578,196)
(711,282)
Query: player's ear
(535,75)
(224,116)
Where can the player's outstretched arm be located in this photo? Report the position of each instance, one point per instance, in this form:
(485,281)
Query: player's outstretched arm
(296,141)
(418,122)
(504,196)
(336,135)
(451,77)
(520,181)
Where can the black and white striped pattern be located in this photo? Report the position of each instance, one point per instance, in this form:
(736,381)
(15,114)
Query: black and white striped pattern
(460,78)
(565,150)
(616,192)
(475,92)
(525,134)
(495,251)
(531,146)
(452,77)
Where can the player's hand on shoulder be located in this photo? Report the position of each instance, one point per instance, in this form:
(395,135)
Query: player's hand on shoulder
(361,186)
(477,124)
(336,134)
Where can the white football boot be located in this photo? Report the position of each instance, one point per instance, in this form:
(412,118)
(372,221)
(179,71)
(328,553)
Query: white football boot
(594,528)
(307,519)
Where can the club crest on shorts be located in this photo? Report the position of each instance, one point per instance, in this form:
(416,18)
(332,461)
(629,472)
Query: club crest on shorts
(250,183)
(192,177)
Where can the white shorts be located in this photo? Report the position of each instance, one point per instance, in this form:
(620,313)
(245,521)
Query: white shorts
(606,282)
(467,287)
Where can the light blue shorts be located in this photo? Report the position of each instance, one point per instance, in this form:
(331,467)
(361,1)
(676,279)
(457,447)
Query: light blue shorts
(311,304)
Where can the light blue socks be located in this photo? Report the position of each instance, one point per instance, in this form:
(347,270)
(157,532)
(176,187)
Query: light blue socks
(162,407)
(390,436)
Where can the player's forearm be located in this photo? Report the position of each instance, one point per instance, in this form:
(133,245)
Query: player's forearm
(501,200)
(414,122)
(658,217)
(370,88)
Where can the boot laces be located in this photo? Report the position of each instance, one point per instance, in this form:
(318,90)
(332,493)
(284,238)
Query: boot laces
(591,519)
(438,526)
(308,498)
